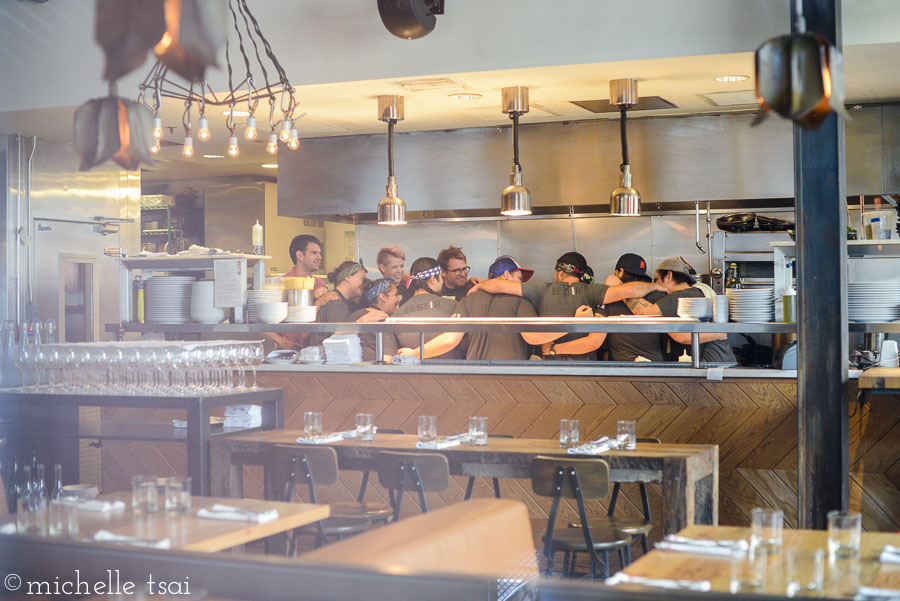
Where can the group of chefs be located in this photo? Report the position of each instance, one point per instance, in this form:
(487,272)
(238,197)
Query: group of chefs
(442,287)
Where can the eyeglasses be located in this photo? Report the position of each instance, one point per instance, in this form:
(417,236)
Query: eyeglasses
(460,271)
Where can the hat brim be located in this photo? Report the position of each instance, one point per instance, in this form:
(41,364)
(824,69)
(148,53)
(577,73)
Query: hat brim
(526,273)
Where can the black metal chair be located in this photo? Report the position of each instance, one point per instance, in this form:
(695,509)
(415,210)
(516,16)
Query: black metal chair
(636,528)
(496,481)
(310,465)
(419,472)
(579,479)
(365,476)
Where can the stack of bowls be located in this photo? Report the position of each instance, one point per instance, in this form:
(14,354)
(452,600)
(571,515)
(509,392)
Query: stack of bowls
(255,298)
(695,308)
(271,312)
(203,308)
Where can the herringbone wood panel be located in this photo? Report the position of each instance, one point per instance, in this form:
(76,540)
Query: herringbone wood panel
(754,422)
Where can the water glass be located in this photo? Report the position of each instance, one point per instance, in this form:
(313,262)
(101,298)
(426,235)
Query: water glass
(365,426)
(144,493)
(765,529)
(31,515)
(178,495)
(63,518)
(748,571)
(478,430)
(427,428)
(626,434)
(568,433)
(843,534)
(805,572)
(312,424)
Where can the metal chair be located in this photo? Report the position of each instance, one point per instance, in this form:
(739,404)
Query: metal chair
(496,481)
(289,465)
(636,528)
(579,479)
(365,477)
(420,472)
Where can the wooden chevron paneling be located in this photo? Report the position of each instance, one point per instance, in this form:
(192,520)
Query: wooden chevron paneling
(753,421)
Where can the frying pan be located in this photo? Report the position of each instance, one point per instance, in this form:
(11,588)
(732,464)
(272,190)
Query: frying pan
(737,222)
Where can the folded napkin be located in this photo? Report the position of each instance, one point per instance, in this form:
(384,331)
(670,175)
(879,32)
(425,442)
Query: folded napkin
(693,585)
(441,443)
(234,410)
(8,528)
(890,554)
(236,514)
(105,536)
(97,505)
(870,593)
(720,548)
(323,439)
(242,422)
(594,447)
(213,421)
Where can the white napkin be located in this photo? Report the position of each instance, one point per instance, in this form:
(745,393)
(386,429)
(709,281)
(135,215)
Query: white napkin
(594,447)
(720,548)
(97,505)
(105,536)
(236,514)
(8,528)
(234,410)
(323,439)
(213,420)
(867,593)
(443,443)
(693,585)
(890,554)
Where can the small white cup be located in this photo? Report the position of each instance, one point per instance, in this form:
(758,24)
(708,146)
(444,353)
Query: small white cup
(888,356)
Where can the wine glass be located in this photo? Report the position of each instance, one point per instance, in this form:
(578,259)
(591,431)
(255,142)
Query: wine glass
(256,357)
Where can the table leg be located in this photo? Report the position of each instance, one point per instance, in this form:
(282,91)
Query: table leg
(677,496)
(273,412)
(226,476)
(198,447)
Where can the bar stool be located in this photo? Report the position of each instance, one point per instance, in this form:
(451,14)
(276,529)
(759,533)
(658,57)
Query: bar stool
(579,479)
(636,528)
(420,472)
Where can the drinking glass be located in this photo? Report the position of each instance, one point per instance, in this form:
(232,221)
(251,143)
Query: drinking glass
(478,433)
(748,571)
(805,572)
(843,534)
(765,529)
(144,495)
(178,495)
(63,518)
(568,433)
(626,434)
(312,424)
(365,426)
(427,428)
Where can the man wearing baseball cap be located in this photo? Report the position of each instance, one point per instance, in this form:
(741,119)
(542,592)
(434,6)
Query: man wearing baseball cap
(483,345)
(679,278)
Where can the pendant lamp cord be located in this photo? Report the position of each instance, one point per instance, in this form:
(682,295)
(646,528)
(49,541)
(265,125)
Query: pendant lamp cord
(623,109)
(391,123)
(515,120)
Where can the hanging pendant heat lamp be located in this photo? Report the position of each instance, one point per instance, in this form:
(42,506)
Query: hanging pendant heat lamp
(391,208)
(515,201)
(624,201)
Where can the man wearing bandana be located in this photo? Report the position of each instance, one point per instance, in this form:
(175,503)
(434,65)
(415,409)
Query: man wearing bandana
(572,287)
(425,283)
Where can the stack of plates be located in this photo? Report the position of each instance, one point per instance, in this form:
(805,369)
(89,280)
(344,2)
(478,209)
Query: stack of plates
(300,314)
(257,297)
(696,308)
(168,299)
(873,301)
(752,304)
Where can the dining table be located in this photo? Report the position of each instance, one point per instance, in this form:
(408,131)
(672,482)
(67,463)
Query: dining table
(688,473)
(188,532)
(842,577)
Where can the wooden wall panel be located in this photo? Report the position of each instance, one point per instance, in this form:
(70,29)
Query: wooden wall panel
(754,422)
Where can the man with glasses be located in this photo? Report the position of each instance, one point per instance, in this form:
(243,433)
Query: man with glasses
(455,272)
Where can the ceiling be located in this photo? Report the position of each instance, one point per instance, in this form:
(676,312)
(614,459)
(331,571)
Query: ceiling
(337,108)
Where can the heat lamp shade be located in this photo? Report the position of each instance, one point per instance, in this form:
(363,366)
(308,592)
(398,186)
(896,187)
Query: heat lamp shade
(625,202)
(391,208)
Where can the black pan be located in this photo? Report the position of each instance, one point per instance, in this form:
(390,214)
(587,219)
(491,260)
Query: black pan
(737,222)
(773,224)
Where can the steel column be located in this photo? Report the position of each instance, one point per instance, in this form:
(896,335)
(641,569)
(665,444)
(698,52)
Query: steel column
(819,185)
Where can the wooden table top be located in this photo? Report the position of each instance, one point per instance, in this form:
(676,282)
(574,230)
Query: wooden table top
(839,579)
(880,378)
(188,532)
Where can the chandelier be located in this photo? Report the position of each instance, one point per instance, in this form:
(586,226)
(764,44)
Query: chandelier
(243,96)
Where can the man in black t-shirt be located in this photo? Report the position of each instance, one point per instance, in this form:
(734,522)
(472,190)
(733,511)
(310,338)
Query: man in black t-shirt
(425,300)
(627,346)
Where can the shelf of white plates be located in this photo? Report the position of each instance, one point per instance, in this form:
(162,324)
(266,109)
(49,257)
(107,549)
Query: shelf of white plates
(175,263)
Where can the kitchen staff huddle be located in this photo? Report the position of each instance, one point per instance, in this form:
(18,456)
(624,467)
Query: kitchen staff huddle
(441,288)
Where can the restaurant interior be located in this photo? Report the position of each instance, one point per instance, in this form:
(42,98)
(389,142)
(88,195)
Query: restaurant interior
(169,426)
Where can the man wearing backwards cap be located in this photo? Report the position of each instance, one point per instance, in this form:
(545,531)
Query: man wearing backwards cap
(573,287)
(680,281)
(484,345)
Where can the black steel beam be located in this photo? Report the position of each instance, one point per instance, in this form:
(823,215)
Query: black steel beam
(819,187)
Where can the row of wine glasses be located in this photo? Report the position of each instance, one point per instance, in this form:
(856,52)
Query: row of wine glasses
(139,368)
(19,339)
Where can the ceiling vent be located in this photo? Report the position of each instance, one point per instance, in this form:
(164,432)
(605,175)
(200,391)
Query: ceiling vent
(739,98)
(423,85)
(646,103)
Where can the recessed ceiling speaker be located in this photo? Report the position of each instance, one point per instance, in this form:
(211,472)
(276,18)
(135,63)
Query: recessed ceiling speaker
(410,19)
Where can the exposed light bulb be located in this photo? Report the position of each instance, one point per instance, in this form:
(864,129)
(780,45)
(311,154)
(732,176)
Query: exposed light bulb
(285,134)
(250,133)
(155,148)
(294,140)
(203,132)
(188,149)
(233,149)
(157,128)
(272,144)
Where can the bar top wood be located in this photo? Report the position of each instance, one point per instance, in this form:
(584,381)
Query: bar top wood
(881,378)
